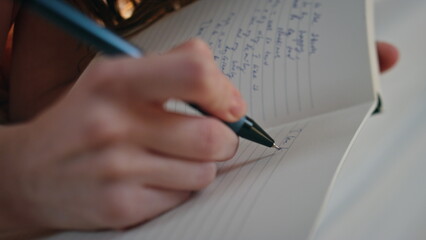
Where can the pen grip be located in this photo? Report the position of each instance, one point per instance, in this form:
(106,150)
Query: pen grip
(245,128)
(235,126)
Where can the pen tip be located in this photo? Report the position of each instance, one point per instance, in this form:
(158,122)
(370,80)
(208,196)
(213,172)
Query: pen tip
(276,147)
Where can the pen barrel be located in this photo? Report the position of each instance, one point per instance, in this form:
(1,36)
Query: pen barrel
(235,126)
(250,130)
(82,27)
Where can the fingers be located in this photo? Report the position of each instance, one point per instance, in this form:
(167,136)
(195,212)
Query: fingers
(388,55)
(189,137)
(167,173)
(124,206)
(176,135)
(160,201)
(126,164)
(188,73)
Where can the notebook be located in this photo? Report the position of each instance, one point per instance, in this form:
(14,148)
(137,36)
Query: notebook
(308,71)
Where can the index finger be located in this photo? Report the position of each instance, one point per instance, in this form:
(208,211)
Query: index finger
(189,74)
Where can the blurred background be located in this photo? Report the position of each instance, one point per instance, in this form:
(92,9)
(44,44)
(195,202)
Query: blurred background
(381,191)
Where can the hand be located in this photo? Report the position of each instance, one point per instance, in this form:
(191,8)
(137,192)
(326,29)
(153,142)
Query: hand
(113,150)
(108,155)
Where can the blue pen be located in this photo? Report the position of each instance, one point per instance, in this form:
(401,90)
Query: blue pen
(88,31)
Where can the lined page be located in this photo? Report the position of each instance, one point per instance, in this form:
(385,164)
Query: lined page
(261,192)
(290,59)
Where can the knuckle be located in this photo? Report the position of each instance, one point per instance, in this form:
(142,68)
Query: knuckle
(113,167)
(205,82)
(101,128)
(205,175)
(210,141)
(103,74)
(199,72)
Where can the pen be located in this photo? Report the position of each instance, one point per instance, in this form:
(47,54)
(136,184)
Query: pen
(88,31)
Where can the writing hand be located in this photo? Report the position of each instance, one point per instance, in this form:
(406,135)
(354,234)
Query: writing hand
(108,155)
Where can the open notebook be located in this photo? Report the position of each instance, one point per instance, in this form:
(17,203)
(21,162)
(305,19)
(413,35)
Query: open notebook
(308,71)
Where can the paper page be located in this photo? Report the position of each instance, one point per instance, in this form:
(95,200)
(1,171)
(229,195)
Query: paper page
(261,193)
(290,59)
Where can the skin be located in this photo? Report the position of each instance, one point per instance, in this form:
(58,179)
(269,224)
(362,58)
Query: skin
(387,55)
(104,167)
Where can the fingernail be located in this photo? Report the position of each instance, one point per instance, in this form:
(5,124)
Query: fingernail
(237,105)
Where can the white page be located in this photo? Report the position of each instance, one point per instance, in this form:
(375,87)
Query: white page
(279,53)
(260,192)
